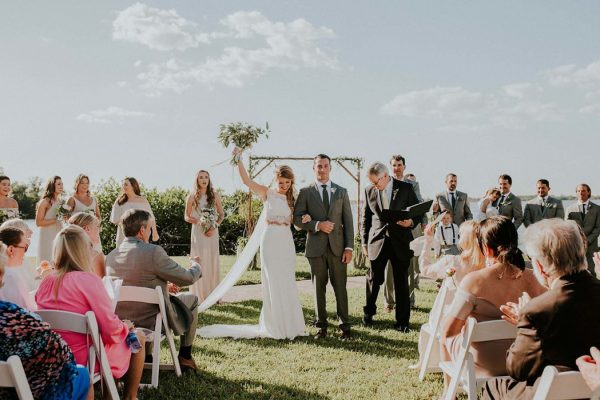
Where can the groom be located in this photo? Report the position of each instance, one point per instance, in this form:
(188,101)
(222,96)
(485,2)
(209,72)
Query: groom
(329,241)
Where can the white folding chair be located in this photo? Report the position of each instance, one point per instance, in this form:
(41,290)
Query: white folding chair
(554,385)
(596,394)
(429,359)
(12,375)
(154,296)
(86,325)
(462,370)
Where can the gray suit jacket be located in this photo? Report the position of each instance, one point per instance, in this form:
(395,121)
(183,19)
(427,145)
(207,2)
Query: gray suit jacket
(590,225)
(342,237)
(148,265)
(511,208)
(461,211)
(534,212)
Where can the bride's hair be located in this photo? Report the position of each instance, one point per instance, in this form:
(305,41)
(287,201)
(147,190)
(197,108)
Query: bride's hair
(491,191)
(210,193)
(284,171)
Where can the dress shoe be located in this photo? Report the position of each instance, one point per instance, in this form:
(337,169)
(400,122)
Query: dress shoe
(388,308)
(321,333)
(367,320)
(187,364)
(346,335)
(402,328)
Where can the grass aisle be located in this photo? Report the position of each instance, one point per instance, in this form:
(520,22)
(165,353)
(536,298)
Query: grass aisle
(372,366)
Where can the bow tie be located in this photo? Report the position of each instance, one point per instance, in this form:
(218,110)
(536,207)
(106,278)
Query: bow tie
(447,227)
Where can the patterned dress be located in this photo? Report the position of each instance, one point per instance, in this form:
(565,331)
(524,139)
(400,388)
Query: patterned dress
(47,360)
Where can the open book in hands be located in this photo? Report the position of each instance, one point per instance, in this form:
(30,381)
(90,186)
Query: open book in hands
(414,211)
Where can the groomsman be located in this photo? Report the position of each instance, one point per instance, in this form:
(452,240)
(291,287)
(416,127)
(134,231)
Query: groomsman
(398,164)
(587,216)
(454,200)
(543,206)
(383,241)
(508,204)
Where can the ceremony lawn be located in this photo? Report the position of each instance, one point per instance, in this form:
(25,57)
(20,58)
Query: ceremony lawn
(372,366)
(251,277)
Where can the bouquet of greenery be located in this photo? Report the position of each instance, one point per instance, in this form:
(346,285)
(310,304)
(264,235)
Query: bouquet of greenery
(63,211)
(242,135)
(208,219)
(8,214)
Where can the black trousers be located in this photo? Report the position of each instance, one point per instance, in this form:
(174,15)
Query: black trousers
(376,277)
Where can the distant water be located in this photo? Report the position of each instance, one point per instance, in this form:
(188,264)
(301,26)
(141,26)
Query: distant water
(34,238)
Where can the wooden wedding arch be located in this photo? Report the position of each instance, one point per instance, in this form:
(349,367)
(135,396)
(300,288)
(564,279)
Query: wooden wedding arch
(257,164)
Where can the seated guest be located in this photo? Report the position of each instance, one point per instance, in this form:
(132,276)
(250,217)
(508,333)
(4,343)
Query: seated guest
(47,360)
(447,235)
(74,287)
(28,269)
(470,259)
(482,292)
(560,325)
(91,226)
(16,289)
(142,264)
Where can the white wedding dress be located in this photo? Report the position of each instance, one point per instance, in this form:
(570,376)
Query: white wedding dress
(281,314)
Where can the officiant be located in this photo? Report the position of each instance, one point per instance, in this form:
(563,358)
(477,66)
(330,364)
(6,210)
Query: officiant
(386,240)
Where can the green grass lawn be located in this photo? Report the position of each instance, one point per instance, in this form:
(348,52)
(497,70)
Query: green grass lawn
(253,276)
(372,366)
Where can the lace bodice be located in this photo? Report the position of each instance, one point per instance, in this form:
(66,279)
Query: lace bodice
(277,208)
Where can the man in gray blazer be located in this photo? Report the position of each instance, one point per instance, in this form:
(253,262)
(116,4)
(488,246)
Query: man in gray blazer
(454,200)
(329,241)
(587,216)
(508,204)
(543,206)
(142,264)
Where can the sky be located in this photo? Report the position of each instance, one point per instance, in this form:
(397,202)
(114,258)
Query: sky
(115,88)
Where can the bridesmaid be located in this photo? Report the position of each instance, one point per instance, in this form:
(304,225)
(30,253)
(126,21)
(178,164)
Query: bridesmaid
(82,201)
(46,218)
(130,198)
(204,244)
(8,206)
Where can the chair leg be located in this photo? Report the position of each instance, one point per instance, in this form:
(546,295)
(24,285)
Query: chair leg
(426,356)
(173,352)
(155,361)
(471,379)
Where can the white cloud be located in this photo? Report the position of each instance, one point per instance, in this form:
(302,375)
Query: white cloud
(518,90)
(110,114)
(571,75)
(453,102)
(590,109)
(156,28)
(285,45)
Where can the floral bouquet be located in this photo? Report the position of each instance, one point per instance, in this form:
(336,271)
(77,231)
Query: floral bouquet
(208,219)
(242,135)
(450,272)
(63,211)
(8,214)
(44,269)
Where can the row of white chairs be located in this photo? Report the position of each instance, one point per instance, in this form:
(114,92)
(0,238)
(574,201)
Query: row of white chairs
(11,371)
(552,385)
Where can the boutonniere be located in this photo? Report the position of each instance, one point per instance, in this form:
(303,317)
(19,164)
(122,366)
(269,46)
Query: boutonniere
(394,193)
(332,190)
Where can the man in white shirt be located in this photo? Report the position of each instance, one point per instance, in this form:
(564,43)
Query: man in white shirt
(587,216)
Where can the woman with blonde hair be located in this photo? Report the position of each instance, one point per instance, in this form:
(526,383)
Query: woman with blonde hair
(130,198)
(74,287)
(91,226)
(205,235)
(281,315)
(47,218)
(82,200)
(47,360)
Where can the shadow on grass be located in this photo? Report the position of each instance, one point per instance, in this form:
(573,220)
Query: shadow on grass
(205,385)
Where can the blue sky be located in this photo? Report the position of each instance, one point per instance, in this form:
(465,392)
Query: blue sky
(477,88)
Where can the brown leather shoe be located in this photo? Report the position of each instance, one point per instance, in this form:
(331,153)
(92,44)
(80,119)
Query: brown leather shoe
(346,335)
(321,333)
(187,364)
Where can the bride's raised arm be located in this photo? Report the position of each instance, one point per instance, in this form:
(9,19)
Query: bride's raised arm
(257,188)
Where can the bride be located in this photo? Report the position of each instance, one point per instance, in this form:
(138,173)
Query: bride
(281,315)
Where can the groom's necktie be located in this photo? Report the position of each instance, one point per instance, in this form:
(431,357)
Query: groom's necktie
(501,201)
(325,197)
(583,211)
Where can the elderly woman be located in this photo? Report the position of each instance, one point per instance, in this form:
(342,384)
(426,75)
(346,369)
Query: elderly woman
(47,360)
(481,293)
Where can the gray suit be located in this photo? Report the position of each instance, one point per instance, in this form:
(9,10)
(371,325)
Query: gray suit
(511,208)
(591,227)
(324,252)
(148,265)
(461,210)
(534,212)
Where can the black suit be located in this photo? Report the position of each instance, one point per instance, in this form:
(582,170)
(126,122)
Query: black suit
(388,242)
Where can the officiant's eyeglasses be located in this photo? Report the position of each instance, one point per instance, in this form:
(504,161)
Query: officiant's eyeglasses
(378,180)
